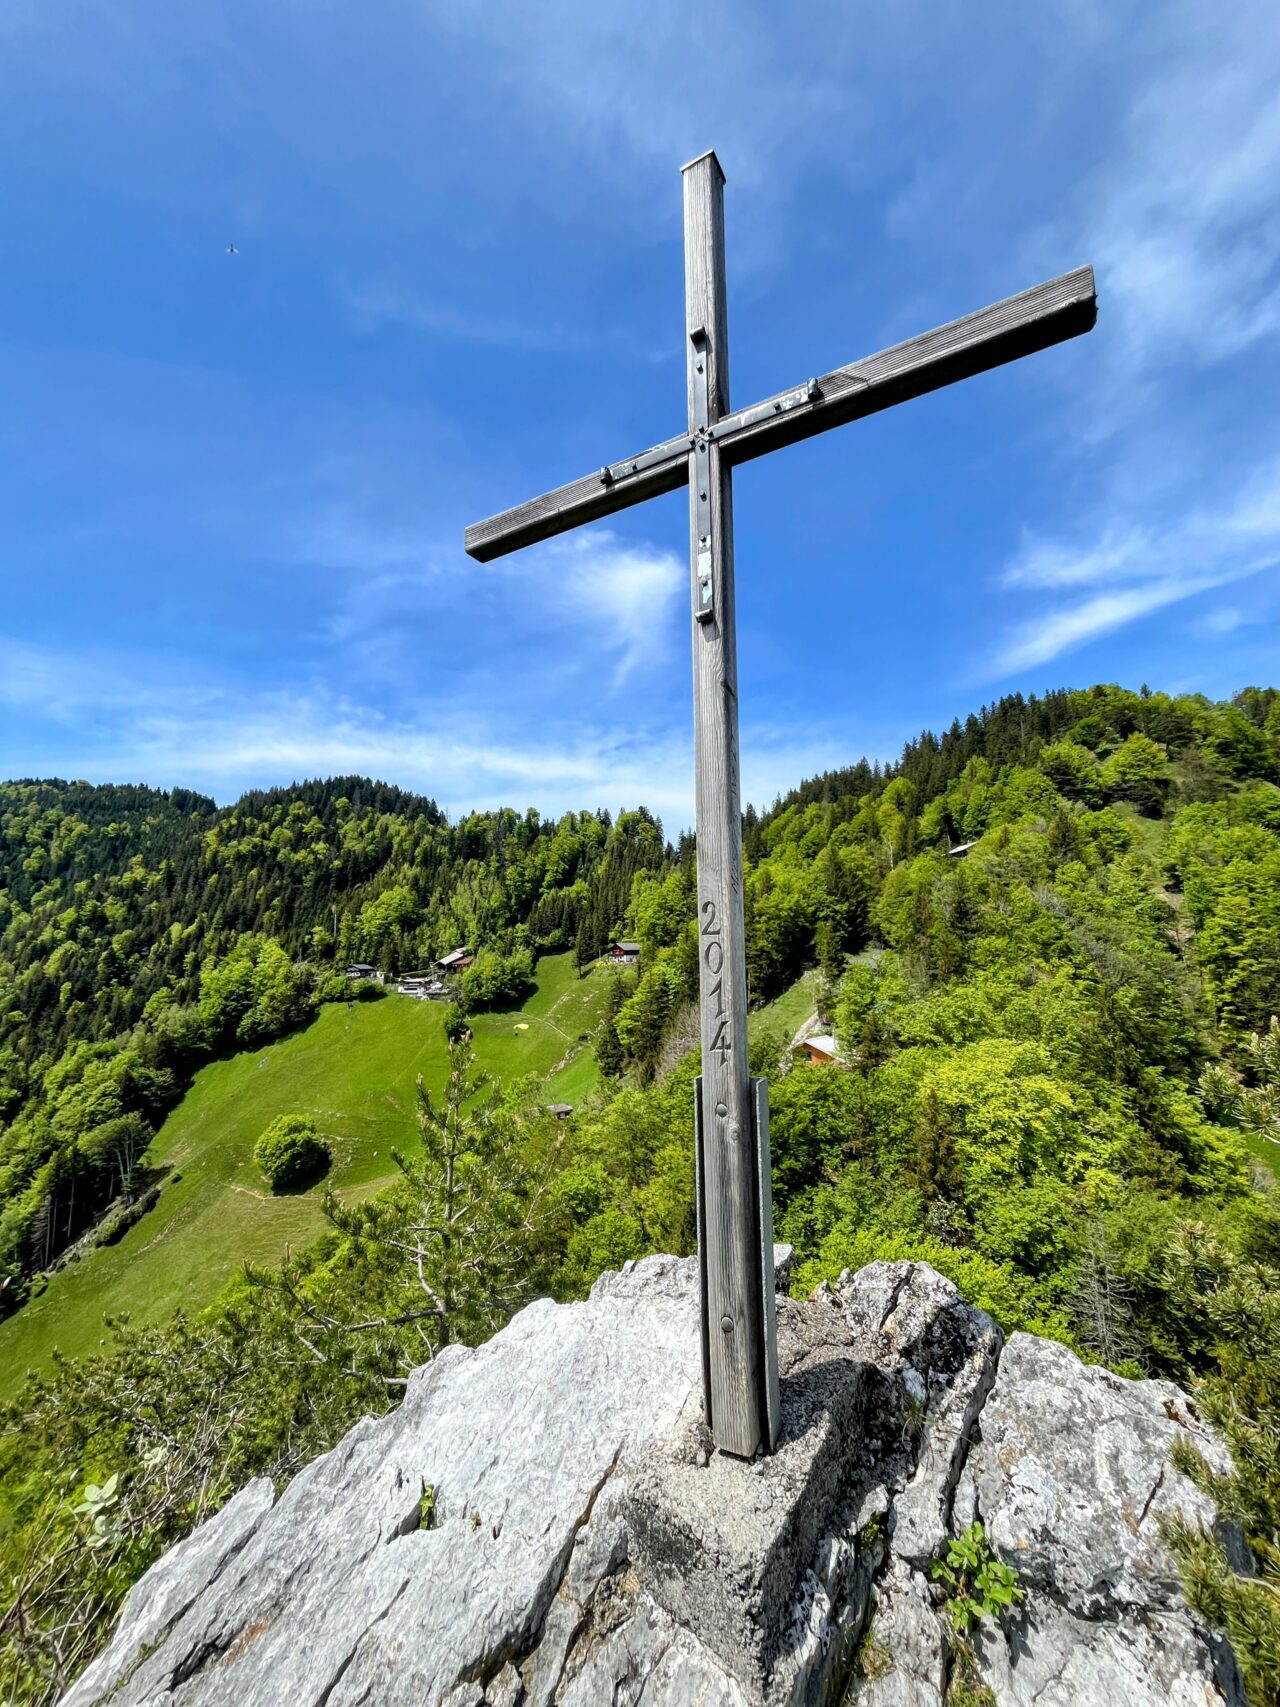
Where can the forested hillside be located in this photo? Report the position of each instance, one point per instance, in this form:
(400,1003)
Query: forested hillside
(1048,942)
(142,934)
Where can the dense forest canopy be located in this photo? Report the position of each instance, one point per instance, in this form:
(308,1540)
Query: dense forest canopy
(1048,942)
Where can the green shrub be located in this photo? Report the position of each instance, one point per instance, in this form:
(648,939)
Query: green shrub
(496,980)
(291,1151)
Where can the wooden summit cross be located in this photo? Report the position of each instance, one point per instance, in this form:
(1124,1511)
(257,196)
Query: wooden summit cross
(735,1208)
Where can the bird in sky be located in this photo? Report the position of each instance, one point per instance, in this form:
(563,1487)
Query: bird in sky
(231,249)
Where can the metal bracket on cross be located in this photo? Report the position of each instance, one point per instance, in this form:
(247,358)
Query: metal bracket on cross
(770,1396)
(704,596)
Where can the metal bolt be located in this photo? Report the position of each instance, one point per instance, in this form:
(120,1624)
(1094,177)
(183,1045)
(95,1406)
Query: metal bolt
(721,1110)
(726,1324)
(702,494)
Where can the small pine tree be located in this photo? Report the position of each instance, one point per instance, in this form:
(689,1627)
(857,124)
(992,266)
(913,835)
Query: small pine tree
(1101,1299)
(583,949)
(936,1165)
(608,1048)
(465,1218)
(826,942)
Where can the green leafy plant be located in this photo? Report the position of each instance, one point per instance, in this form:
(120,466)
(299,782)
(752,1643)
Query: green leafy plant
(977,1584)
(98,1503)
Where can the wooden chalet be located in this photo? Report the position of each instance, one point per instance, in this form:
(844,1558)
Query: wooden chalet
(822,1050)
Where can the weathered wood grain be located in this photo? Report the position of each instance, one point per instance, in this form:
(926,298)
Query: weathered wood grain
(733,1323)
(1034,320)
(1048,314)
(584,500)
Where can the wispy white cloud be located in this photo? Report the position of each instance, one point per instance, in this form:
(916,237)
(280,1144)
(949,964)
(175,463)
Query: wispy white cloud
(1133,570)
(63,688)
(226,737)
(631,87)
(1181,215)
(1225,620)
(1063,629)
(605,602)
(623,593)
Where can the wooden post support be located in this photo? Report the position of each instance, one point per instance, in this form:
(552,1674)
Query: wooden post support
(736,1354)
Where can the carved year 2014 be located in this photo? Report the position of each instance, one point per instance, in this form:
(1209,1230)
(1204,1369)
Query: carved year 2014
(713,960)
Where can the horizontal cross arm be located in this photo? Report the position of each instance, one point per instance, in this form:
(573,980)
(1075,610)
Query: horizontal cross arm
(1036,319)
(1020,325)
(665,468)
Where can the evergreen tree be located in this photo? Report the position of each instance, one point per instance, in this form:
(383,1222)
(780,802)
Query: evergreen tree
(935,1164)
(583,949)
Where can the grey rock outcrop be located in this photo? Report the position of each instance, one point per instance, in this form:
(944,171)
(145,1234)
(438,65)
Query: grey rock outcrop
(1070,1480)
(585,1545)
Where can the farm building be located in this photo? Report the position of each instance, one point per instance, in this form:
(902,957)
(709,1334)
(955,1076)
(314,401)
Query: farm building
(626,953)
(822,1049)
(457,960)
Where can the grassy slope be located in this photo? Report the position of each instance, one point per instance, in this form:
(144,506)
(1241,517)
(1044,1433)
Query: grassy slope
(792,1008)
(354,1070)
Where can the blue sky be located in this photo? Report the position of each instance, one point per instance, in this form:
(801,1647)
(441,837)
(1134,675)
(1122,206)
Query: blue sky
(233,487)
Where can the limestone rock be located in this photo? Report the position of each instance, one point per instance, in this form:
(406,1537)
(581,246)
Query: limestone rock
(1072,1476)
(1070,1479)
(906,1318)
(1051,1659)
(338,1597)
(586,1546)
(904,1660)
(156,1603)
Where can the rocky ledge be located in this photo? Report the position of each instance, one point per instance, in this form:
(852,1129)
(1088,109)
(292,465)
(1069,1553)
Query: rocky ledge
(543,1521)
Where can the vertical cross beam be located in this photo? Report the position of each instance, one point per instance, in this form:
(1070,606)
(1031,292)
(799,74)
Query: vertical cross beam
(738,1338)
(734,1195)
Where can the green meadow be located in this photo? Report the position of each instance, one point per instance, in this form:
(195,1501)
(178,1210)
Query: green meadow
(353,1069)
